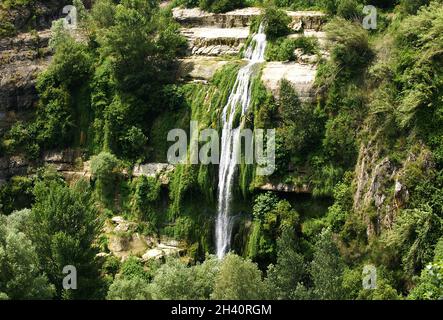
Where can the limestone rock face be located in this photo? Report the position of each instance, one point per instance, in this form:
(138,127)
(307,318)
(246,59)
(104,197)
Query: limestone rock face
(243,17)
(282,187)
(154,170)
(37,15)
(312,20)
(200,68)
(379,185)
(198,17)
(210,35)
(11,166)
(123,242)
(301,76)
(21,59)
(215,41)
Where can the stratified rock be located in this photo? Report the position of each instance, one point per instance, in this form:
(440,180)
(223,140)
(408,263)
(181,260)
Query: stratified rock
(200,68)
(154,170)
(282,187)
(153,254)
(197,17)
(22,58)
(13,166)
(243,18)
(301,76)
(215,41)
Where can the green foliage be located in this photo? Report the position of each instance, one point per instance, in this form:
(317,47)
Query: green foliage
(133,268)
(327,268)
(105,169)
(349,9)
(430,283)
(56,112)
(238,279)
(282,49)
(286,278)
(20,274)
(146,52)
(352,284)
(412,6)
(299,121)
(16,194)
(343,202)
(276,22)
(129,289)
(272,216)
(351,49)
(339,143)
(414,235)
(175,281)
(219,6)
(63,226)
(146,193)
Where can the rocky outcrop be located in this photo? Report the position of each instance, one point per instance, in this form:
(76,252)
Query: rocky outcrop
(301,76)
(11,166)
(243,18)
(210,35)
(215,41)
(67,162)
(197,17)
(124,241)
(200,68)
(286,188)
(33,15)
(154,170)
(380,188)
(21,59)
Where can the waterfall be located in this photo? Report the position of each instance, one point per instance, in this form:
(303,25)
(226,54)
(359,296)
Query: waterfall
(240,96)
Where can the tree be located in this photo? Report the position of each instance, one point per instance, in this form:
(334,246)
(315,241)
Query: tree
(104,168)
(145,53)
(20,275)
(175,281)
(238,279)
(327,268)
(290,272)
(134,288)
(276,22)
(413,237)
(63,227)
(299,122)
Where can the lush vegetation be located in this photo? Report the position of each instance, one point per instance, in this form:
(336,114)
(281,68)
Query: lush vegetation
(368,150)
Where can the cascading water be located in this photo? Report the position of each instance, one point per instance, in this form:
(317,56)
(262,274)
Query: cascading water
(239,96)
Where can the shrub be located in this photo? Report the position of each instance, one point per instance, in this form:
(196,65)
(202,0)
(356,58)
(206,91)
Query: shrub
(283,48)
(218,6)
(276,22)
(349,9)
(104,168)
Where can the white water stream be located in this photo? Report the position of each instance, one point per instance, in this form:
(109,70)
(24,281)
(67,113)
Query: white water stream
(240,96)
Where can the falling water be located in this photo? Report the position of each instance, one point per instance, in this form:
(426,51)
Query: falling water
(240,96)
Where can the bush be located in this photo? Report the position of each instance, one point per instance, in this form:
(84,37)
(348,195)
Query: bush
(219,6)
(349,9)
(146,192)
(104,168)
(352,49)
(412,6)
(276,22)
(283,48)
